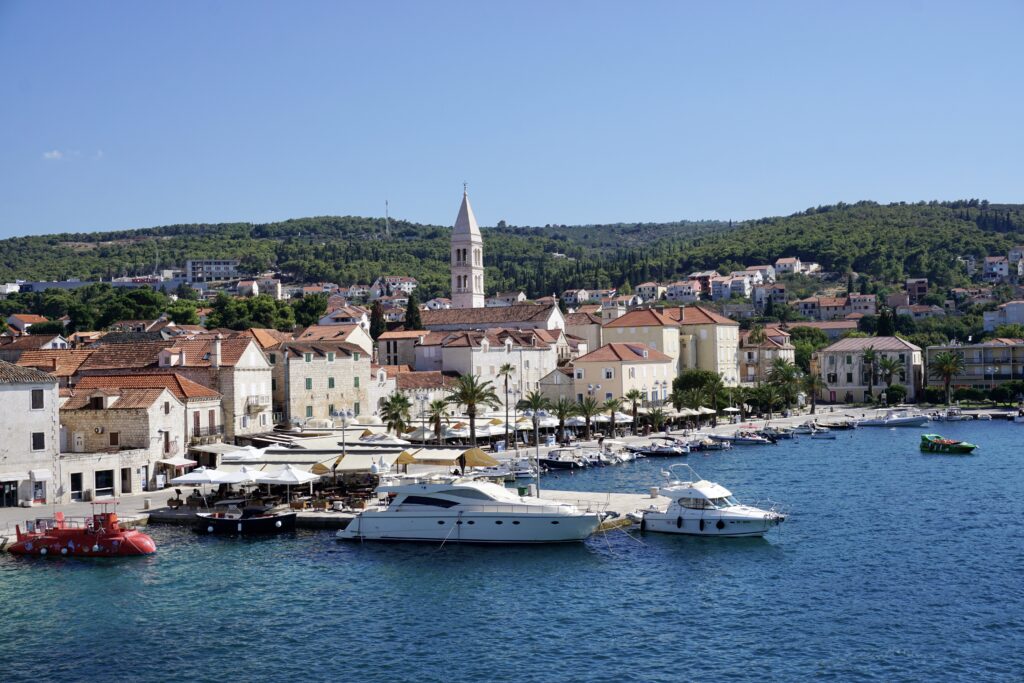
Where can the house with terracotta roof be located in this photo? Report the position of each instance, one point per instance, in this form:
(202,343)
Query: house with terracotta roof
(532,353)
(575,297)
(117,439)
(685,291)
(651,291)
(616,368)
(585,326)
(347,315)
(60,363)
(14,348)
(519,316)
(352,334)
(234,366)
(837,307)
(996,269)
(21,322)
(707,341)
(788,265)
(648,326)
(398,347)
(846,374)
(314,381)
(202,415)
(559,384)
(758,355)
(28,436)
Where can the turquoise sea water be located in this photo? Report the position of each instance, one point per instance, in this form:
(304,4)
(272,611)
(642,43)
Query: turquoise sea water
(895,566)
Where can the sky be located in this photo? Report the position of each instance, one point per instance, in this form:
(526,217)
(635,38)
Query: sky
(118,115)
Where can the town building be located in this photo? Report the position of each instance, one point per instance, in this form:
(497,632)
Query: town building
(14,348)
(1010,313)
(531,353)
(585,326)
(314,381)
(559,384)
(788,265)
(467,259)
(707,341)
(519,316)
(353,334)
(398,347)
(506,299)
(28,436)
(996,269)
(842,368)
(757,355)
(575,297)
(684,291)
(833,329)
(920,311)
(247,288)
(651,291)
(986,365)
(615,369)
(347,315)
(22,322)
(210,270)
(917,288)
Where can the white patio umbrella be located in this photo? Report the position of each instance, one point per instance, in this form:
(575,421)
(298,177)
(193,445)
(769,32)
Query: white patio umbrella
(244,475)
(244,454)
(730,409)
(622,418)
(705,411)
(200,476)
(576,421)
(289,476)
(422,434)
(603,417)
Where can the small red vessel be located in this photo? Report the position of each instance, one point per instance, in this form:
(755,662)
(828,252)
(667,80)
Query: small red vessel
(100,535)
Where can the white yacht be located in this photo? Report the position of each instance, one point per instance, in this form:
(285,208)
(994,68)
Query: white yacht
(704,508)
(896,418)
(458,510)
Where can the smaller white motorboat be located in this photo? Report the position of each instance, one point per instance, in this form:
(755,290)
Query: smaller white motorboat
(952,414)
(704,508)
(823,434)
(982,416)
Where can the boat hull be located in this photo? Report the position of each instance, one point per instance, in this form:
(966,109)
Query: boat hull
(561,464)
(470,527)
(206,523)
(683,525)
(124,544)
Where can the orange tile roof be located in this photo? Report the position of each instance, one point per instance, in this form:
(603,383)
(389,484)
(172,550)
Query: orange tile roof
(325,332)
(504,315)
(30,318)
(267,337)
(582,319)
(128,399)
(643,317)
(182,388)
(57,362)
(423,379)
(633,353)
(403,334)
(697,315)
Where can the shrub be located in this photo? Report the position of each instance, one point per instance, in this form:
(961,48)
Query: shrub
(897,393)
(968,394)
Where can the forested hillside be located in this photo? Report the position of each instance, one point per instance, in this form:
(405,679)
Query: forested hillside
(886,242)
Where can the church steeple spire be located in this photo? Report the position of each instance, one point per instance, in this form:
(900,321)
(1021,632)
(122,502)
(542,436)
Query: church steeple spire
(467,258)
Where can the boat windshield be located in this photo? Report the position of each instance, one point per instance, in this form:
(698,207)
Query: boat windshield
(708,503)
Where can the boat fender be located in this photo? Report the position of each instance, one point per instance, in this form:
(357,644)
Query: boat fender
(720,525)
(63,551)
(209,529)
(702,525)
(95,548)
(42,551)
(679,522)
(643,524)
(278,524)
(239,526)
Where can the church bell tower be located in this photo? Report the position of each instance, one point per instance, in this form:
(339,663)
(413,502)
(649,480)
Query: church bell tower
(467,259)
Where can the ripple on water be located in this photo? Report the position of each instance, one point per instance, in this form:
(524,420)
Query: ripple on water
(893,567)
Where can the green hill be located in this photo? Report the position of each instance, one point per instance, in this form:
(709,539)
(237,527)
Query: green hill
(887,242)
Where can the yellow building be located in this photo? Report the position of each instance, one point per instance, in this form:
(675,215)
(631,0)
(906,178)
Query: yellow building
(615,369)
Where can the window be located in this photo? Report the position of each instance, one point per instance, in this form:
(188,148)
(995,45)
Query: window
(330,382)
(167,407)
(38,441)
(579,373)
(309,383)
(849,378)
(355,357)
(309,411)
(330,409)
(245,421)
(263,419)
(356,385)
(330,356)
(609,373)
(608,396)
(37,399)
(849,360)
(273,384)
(308,357)
(526,364)
(273,358)
(115,438)
(355,408)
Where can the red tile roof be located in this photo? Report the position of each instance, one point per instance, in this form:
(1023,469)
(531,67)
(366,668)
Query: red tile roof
(424,379)
(643,317)
(30,318)
(633,353)
(182,388)
(128,399)
(327,332)
(505,315)
(57,362)
(697,315)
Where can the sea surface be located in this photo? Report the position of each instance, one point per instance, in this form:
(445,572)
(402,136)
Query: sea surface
(894,566)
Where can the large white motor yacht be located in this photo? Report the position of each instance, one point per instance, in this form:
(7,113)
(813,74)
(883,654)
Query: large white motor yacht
(460,510)
(704,508)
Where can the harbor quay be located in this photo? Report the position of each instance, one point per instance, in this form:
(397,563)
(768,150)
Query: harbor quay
(152,507)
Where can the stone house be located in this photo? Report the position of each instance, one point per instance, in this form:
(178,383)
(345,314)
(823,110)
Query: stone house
(845,373)
(316,380)
(615,369)
(29,438)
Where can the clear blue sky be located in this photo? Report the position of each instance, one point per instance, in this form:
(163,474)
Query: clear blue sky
(133,114)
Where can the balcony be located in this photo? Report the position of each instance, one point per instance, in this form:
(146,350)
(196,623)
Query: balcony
(255,404)
(205,435)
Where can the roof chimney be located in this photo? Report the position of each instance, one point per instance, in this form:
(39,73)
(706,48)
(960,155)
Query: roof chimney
(215,356)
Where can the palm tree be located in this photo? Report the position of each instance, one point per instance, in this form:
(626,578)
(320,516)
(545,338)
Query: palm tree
(563,409)
(786,376)
(870,359)
(395,412)
(437,413)
(472,393)
(756,335)
(657,417)
(634,396)
(889,367)
(613,405)
(691,398)
(768,397)
(946,365)
(535,401)
(714,387)
(813,384)
(589,408)
(505,371)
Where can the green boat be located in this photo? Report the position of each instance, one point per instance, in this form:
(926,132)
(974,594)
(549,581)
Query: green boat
(933,443)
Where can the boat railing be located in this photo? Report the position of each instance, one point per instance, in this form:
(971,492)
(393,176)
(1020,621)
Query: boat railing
(553,508)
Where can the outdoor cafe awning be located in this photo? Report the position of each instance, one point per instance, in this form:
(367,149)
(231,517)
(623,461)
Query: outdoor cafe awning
(474,457)
(13,476)
(177,462)
(41,475)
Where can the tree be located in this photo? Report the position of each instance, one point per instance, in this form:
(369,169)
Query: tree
(183,291)
(786,377)
(946,365)
(870,358)
(1010,331)
(49,327)
(886,323)
(756,335)
(395,412)
(377,324)
(613,405)
(693,378)
(889,367)
(895,393)
(412,314)
(309,309)
(505,372)
(437,413)
(812,385)
(768,398)
(535,402)
(657,417)
(472,393)
(183,312)
(589,409)
(634,396)
(563,409)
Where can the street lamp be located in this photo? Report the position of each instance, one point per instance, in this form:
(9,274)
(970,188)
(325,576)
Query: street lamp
(422,398)
(515,394)
(345,416)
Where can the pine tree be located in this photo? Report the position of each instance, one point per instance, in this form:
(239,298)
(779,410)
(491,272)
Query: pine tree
(412,314)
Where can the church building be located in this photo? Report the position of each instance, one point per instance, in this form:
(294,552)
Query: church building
(467,259)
